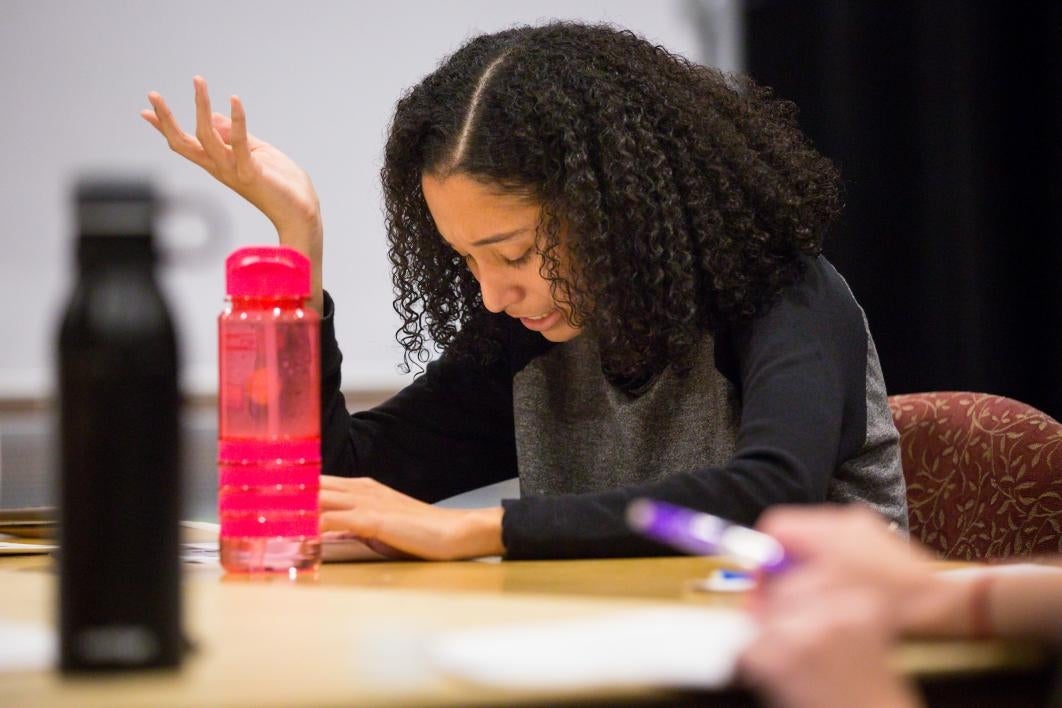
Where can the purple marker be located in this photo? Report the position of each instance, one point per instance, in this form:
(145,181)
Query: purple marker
(705,535)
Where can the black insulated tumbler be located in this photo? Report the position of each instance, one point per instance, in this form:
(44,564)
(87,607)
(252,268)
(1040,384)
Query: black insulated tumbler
(119,582)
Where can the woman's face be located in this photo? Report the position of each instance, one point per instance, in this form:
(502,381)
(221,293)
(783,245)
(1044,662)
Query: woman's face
(495,234)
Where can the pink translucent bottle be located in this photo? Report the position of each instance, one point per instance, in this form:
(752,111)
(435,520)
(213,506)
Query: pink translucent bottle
(269,416)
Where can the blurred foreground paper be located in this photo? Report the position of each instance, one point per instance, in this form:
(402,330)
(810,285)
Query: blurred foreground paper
(26,647)
(673,647)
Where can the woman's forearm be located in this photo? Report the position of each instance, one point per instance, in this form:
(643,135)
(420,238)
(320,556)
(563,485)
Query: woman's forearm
(307,237)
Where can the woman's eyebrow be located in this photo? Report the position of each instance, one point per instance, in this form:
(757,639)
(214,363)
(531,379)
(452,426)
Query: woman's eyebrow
(498,238)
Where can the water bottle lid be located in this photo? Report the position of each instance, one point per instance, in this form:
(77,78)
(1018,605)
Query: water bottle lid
(267,271)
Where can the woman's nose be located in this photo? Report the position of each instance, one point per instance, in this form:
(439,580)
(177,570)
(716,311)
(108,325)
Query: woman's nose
(498,292)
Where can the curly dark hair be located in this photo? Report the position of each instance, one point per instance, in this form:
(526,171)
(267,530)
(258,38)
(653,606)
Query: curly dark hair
(683,197)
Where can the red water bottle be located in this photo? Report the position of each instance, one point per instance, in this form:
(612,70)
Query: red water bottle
(269,416)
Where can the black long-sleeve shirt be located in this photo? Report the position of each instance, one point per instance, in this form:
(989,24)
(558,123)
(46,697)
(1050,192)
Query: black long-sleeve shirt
(789,407)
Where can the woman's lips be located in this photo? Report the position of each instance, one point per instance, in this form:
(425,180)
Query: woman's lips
(540,324)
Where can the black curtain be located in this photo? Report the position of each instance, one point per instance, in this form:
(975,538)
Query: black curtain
(944,118)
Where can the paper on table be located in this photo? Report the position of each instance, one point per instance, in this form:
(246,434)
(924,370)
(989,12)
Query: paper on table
(334,548)
(673,647)
(19,548)
(332,551)
(200,545)
(338,549)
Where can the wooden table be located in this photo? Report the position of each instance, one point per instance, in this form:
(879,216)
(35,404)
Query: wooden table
(351,636)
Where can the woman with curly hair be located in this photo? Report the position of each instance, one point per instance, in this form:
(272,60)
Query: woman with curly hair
(618,253)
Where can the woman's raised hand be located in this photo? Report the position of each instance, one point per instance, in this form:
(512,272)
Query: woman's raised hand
(252,168)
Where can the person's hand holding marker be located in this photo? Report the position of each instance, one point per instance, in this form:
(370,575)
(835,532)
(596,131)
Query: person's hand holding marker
(254,169)
(824,638)
(840,548)
(833,652)
(827,624)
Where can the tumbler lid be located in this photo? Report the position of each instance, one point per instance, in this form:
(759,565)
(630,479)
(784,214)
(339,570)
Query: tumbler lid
(267,271)
(108,206)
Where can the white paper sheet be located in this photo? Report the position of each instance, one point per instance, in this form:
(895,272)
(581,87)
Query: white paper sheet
(18,548)
(667,647)
(333,550)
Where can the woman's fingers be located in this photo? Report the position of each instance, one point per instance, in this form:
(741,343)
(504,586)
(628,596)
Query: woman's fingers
(204,127)
(222,124)
(150,117)
(209,148)
(179,141)
(167,123)
(332,499)
(238,139)
(361,485)
(153,119)
(337,521)
(349,493)
(389,551)
(363,524)
(352,525)
(791,592)
(340,493)
(329,481)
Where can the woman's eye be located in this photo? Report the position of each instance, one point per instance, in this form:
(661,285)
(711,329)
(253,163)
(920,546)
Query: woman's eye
(517,262)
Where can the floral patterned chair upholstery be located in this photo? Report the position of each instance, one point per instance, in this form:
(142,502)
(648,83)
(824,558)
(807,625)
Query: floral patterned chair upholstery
(984,474)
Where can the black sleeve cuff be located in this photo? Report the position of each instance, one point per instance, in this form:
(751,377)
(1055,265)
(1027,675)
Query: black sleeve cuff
(331,357)
(551,527)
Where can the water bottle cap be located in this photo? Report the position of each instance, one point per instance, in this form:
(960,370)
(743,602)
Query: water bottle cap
(267,271)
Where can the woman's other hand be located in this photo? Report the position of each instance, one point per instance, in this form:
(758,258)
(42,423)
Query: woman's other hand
(252,168)
(384,518)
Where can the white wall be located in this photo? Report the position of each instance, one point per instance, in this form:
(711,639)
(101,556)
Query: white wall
(319,80)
